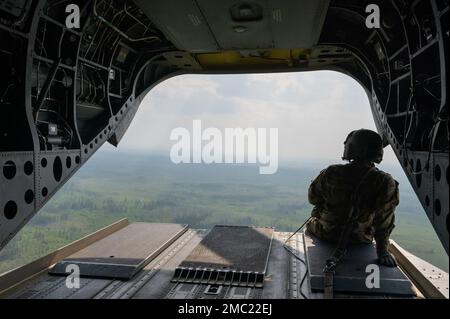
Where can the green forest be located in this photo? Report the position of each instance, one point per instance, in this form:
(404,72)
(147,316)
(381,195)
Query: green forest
(144,187)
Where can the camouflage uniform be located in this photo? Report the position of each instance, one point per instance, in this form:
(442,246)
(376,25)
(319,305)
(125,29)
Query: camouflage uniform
(330,194)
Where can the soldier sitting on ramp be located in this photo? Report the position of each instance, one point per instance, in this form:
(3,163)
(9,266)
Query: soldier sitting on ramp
(358,184)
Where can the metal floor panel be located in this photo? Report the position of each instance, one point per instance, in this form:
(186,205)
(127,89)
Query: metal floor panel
(284,278)
(124,253)
(234,255)
(350,275)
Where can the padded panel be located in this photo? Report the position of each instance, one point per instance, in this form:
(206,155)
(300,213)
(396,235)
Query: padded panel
(350,275)
(124,253)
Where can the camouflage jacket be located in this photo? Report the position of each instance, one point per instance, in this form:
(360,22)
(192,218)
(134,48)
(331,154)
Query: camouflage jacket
(330,193)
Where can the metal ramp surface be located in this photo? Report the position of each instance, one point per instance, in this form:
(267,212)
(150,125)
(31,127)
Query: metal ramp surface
(350,275)
(284,272)
(122,254)
(228,255)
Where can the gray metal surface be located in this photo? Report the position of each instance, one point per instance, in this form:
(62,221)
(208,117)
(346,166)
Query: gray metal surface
(274,30)
(350,275)
(124,253)
(284,278)
(234,255)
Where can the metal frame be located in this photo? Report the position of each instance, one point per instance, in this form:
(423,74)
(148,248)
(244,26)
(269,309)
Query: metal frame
(402,68)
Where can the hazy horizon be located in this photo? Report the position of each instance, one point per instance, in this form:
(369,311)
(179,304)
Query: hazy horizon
(313,111)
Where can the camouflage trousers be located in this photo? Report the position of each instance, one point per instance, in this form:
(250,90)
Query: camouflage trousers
(332,233)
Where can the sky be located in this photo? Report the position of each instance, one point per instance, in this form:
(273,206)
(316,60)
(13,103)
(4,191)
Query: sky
(313,111)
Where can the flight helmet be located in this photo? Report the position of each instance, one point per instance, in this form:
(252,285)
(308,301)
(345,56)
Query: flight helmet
(363,145)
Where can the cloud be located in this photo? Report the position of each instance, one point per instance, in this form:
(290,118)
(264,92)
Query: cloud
(314,111)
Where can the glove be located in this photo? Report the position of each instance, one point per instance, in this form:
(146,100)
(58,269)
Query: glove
(386,259)
(315,212)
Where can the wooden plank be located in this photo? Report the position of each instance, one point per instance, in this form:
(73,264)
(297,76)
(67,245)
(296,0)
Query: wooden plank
(431,281)
(14,279)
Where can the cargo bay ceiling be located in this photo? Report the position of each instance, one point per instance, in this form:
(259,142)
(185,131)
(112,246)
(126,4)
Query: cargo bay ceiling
(66,91)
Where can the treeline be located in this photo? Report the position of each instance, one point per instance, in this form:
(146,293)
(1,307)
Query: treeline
(107,205)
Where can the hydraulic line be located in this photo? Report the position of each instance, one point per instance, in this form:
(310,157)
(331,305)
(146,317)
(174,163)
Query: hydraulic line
(109,24)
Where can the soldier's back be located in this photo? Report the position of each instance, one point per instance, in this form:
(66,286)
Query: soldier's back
(340,182)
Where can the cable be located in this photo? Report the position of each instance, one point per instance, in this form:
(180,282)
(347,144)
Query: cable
(5,92)
(406,134)
(289,238)
(299,287)
(106,22)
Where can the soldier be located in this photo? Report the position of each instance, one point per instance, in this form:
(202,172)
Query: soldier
(338,188)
